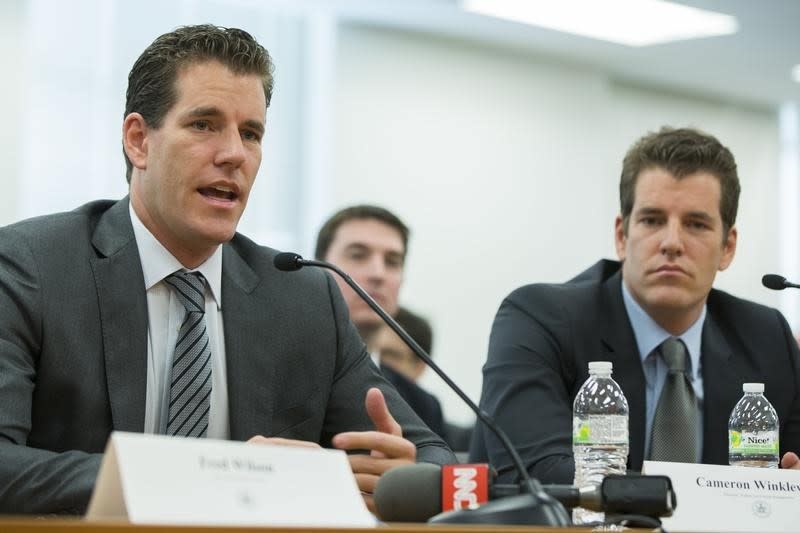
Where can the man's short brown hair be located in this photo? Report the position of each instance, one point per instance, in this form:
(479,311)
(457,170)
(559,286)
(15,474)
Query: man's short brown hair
(681,152)
(151,82)
(358,212)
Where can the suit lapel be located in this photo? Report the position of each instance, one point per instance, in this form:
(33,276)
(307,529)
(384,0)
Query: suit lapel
(250,372)
(719,383)
(620,343)
(122,301)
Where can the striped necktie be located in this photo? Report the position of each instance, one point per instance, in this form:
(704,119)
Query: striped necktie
(190,382)
(674,433)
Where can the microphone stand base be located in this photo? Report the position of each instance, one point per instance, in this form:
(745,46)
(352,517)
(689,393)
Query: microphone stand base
(525,509)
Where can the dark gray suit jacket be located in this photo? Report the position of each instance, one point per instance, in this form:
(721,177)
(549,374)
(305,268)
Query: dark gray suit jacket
(73,354)
(545,335)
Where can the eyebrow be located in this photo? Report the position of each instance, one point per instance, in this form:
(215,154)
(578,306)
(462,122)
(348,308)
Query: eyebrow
(645,211)
(700,215)
(211,111)
(362,246)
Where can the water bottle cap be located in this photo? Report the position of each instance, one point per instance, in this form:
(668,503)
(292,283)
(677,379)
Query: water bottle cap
(753,387)
(600,366)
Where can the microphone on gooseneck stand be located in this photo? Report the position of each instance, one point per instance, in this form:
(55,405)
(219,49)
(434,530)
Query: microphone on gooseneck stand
(533,505)
(777,283)
(414,493)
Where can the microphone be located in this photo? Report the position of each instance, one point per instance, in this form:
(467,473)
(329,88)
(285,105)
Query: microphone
(415,493)
(288,262)
(533,505)
(777,283)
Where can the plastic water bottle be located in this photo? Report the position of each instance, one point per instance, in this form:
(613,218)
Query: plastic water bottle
(753,430)
(599,433)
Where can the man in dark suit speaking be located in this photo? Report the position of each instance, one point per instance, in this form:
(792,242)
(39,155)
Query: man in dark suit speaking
(679,194)
(151,314)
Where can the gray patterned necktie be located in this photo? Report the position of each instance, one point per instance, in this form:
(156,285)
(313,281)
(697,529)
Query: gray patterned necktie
(190,382)
(674,433)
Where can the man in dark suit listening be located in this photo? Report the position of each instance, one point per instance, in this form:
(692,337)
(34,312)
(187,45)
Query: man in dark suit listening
(370,243)
(151,314)
(679,195)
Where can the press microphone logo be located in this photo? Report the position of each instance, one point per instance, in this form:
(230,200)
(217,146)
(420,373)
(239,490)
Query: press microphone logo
(464,486)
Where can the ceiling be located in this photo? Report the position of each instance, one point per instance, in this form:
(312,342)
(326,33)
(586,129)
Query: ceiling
(752,66)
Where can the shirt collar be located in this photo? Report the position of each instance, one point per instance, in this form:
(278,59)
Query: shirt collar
(158,263)
(649,335)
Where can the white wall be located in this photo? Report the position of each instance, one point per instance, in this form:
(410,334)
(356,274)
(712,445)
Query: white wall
(72,59)
(506,168)
(12,12)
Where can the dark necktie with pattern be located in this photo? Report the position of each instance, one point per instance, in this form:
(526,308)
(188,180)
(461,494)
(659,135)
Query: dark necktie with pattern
(674,432)
(190,382)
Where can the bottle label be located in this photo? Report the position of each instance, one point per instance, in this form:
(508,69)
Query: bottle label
(600,429)
(753,442)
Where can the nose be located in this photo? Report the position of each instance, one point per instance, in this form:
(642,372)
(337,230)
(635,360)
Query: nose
(672,241)
(376,268)
(231,150)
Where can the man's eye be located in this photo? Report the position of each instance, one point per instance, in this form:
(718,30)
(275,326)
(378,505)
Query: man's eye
(394,263)
(201,125)
(357,256)
(649,221)
(698,225)
(248,135)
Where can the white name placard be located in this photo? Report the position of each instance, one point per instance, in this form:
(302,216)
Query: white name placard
(150,479)
(731,498)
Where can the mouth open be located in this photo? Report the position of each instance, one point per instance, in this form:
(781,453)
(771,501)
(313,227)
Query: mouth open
(219,193)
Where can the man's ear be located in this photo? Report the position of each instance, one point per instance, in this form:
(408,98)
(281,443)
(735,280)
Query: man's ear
(728,249)
(619,237)
(134,139)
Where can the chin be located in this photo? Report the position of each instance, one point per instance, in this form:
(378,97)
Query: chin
(216,233)
(670,299)
(368,319)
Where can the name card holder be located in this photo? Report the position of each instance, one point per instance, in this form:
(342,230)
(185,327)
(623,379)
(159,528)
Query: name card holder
(731,498)
(154,479)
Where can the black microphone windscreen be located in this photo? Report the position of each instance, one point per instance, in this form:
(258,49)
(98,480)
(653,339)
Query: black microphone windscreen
(411,493)
(287,262)
(774,282)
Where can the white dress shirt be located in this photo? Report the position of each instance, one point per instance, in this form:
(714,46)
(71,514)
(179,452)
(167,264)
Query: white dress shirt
(165,314)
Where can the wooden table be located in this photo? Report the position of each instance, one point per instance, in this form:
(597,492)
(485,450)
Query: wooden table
(76,525)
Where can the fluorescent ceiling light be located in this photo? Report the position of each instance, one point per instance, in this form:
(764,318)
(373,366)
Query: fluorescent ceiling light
(796,73)
(628,22)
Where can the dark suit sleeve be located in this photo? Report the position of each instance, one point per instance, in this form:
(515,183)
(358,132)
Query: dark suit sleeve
(524,389)
(31,480)
(424,404)
(355,374)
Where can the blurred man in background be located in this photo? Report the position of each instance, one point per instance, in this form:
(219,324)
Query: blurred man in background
(370,243)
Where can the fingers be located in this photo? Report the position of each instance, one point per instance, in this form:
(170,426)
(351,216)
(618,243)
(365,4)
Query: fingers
(367,482)
(366,464)
(258,439)
(370,502)
(391,446)
(790,460)
(379,413)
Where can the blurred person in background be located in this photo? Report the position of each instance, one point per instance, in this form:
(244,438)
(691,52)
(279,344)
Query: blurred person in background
(370,243)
